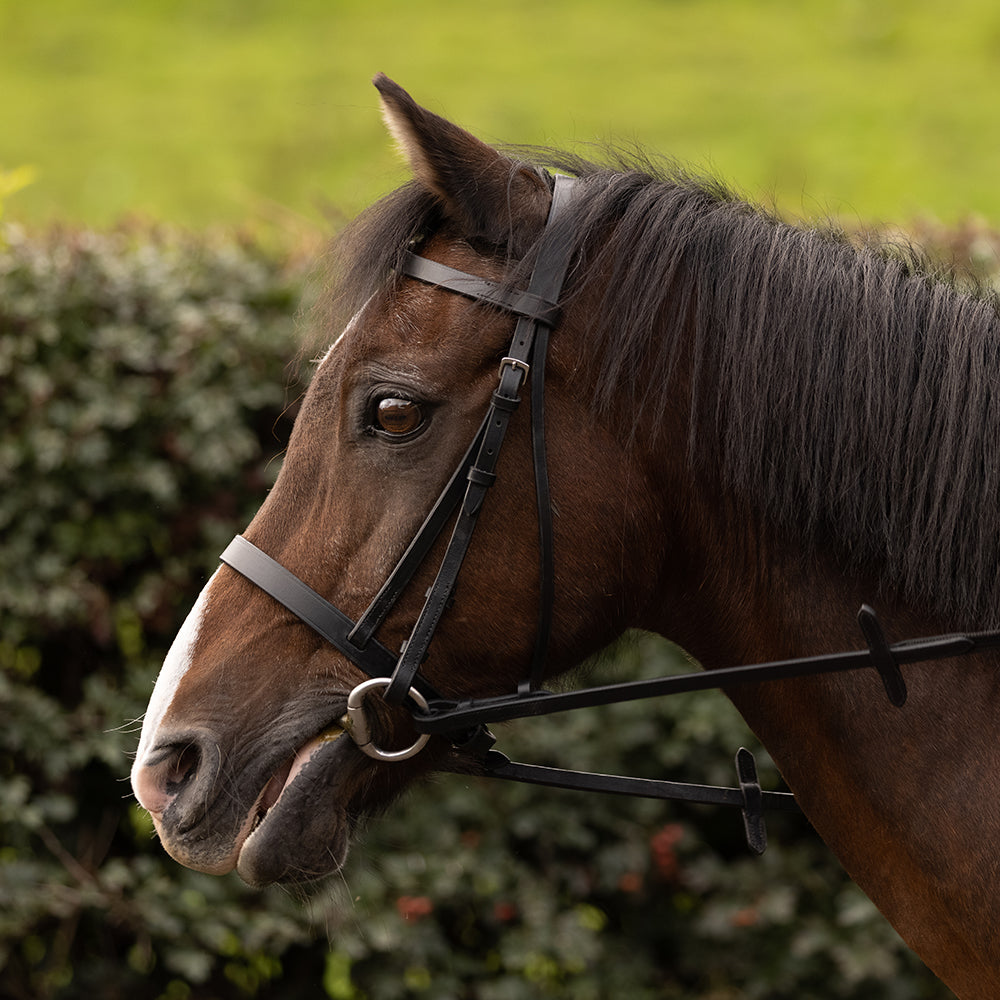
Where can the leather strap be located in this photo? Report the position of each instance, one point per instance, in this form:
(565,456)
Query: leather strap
(547,280)
(447,714)
(418,549)
(882,658)
(497,765)
(317,612)
(479,478)
(511,300)
(524,356)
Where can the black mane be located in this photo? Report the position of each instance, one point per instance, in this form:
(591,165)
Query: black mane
(851,390)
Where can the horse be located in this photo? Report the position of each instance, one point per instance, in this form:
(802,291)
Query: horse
(751,428)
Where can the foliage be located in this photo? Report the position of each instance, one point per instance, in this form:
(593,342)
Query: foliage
(144,391)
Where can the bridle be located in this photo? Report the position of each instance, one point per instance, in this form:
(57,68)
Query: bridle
(464,724)
(537,312)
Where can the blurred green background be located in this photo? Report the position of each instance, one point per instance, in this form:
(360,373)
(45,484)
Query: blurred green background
(183,159)
(205,111)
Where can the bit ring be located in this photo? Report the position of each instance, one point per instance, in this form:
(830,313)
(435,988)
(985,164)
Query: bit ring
(356,722)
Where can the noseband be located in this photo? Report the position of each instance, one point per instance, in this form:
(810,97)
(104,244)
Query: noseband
(464,723)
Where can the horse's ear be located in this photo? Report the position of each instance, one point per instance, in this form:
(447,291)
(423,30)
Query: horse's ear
(486,193)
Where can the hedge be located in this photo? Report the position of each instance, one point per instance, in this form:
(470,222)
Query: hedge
(146,392)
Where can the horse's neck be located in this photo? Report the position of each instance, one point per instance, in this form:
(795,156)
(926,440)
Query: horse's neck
(904,796)
(882,785)
(738,589)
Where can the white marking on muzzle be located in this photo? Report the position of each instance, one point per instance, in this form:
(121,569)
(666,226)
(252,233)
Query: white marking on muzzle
(175,666)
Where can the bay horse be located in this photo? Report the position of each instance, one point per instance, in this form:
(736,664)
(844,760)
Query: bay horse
(751,428)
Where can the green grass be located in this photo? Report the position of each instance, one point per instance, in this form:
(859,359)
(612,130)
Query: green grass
(223,111)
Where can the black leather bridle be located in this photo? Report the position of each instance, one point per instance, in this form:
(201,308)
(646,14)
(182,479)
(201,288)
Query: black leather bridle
(464,723)
(537,312)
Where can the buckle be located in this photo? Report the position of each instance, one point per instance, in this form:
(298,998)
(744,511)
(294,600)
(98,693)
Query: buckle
(515,363)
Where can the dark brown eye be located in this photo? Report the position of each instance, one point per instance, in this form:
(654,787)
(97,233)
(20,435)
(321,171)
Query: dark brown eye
(398,417)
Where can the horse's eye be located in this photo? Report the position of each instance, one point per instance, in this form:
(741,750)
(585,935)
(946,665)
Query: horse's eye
(398,417)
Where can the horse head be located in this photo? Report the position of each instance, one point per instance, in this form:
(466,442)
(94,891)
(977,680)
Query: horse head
(242,762)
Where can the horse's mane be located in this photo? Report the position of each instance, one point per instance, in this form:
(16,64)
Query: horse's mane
(850,389)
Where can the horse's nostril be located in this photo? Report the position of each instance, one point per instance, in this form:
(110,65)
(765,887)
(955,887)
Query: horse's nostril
(182,769)
(173,769)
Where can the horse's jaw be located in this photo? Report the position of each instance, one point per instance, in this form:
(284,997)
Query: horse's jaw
(299,827)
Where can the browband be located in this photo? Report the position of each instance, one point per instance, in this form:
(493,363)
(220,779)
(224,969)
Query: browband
(513,300)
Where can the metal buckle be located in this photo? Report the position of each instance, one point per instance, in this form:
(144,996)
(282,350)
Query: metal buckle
(356,722)
(515,363)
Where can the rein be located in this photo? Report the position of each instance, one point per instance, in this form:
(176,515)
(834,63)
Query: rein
(464,723)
